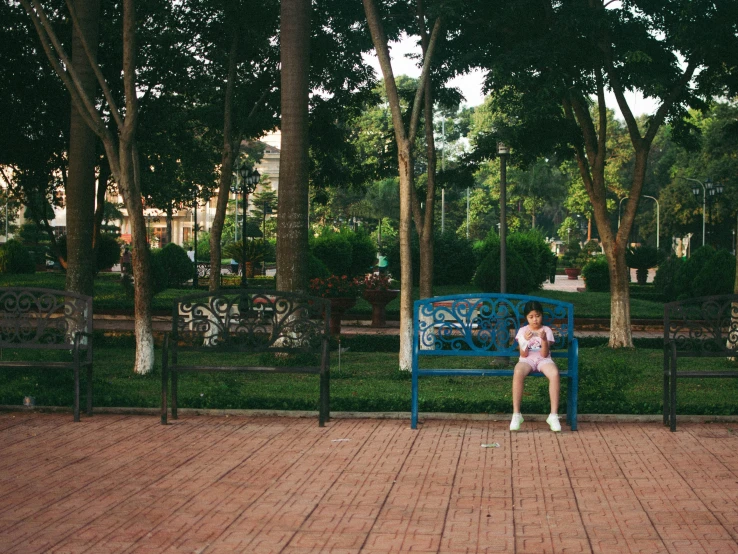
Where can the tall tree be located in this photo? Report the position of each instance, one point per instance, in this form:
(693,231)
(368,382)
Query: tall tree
(292,236)
(570,56)
(405,137)
(119,139)
(80,189)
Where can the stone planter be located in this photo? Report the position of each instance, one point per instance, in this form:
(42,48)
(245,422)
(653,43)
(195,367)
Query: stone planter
(641,276)
(379,300)
(572,272)
(338,307)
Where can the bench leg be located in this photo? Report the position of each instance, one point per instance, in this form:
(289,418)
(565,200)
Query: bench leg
(89,390)
(324,407)
(666,395)
(164,391)
(573,399)
(414,402)
(174,395)
(672,400)
(76,393)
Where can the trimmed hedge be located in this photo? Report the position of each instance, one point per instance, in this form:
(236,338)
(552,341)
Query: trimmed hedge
(596,275)
(16,258)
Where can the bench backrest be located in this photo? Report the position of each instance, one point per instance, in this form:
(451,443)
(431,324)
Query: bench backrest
(704,326)
(251,321)
(484,324)
(42,318)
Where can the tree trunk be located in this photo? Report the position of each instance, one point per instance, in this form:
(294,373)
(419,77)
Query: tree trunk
(102,189)
(292,234)
(231,147)
(620,327)
(80,190)
(405,160)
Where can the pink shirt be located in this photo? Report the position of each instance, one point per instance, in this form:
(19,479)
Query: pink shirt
(535,343)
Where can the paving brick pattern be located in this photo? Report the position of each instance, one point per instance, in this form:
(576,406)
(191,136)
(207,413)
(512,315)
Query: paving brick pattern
(261,485)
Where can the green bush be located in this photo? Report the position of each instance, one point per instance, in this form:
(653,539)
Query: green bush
(685,279)
(716,277)
(532,246)
(665,281)
(316,268)
(177,265)
(642,257)
(520,278)
(452,257)
(16,259)
(363,252)
(334,250)
(596,275)
(159,277)
(108,252)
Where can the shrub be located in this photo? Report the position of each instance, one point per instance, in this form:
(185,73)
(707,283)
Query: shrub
(665,281)
(334,250)
(642,257)
(16,259)
(159,278)
(363,252)
(688,272)
(717,277)
(316,268)
(520,279)
(531,245)
(108,252)
(596,274)
(177,265)
(451,260)
(574,255)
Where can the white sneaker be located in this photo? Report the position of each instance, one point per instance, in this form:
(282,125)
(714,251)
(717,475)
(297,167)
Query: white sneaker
(553,423)
(517,419)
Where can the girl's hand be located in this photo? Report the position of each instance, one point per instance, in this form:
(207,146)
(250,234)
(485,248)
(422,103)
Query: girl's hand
(529,334)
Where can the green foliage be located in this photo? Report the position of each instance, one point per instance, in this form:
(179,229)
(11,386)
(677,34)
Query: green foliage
(688,272)
(16,259)
(532,247)
(254,251)
(159,276)
(520,278)
(452,257)
(574,256)
(606,383)
(334,250)
(316,268)
(642,257)
(665,281)
(108,252)
(716,277)
(177,264)
(597,275)
(363,252)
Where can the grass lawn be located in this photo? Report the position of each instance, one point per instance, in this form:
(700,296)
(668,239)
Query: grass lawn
(109,295)
(623,381)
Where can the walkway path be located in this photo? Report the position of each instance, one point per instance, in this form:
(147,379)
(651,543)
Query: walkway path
(284,485)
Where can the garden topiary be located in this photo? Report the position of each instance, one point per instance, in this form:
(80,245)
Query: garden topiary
(159,280)
(717,277)
(108,251)
(451,257)
(665,281)
(177,265)
(596,275)
(334,250)
(690,269)
(363,252)
(16,259)
(520,278)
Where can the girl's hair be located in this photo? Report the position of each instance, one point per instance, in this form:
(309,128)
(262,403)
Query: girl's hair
(532,306)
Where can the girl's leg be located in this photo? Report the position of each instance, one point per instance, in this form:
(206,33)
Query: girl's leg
(521,372)
(552,372)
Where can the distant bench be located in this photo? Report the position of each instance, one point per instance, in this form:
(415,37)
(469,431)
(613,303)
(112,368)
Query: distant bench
(46,319)
(285,327)
(484,325)
(705,327)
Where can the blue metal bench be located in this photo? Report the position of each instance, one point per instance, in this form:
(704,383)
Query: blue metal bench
(485,325)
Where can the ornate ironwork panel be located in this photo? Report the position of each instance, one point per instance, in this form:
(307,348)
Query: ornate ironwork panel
(486,323)
(42,316)
(703,326)
(252,320)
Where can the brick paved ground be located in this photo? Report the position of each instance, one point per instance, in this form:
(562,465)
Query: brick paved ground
(245,484)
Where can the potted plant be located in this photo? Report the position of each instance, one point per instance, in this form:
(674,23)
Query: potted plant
(254,254)
(573,260)
(642,258)
(341,291)
(378,292)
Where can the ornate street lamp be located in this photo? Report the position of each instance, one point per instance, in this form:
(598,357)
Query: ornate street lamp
(249,179)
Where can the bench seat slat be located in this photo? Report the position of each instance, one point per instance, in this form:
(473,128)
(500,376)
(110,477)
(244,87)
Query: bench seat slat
(235,369)
(481,372)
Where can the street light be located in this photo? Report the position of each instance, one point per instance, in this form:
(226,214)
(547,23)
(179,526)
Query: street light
(706,186)
(249,179)
(503,151)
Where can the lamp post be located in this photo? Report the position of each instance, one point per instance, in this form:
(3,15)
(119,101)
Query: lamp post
(708,190)
(194,235)
(267,208)
(503,151)
(249,179)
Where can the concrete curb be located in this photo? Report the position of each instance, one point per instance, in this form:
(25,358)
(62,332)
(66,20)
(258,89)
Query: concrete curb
(587,418)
